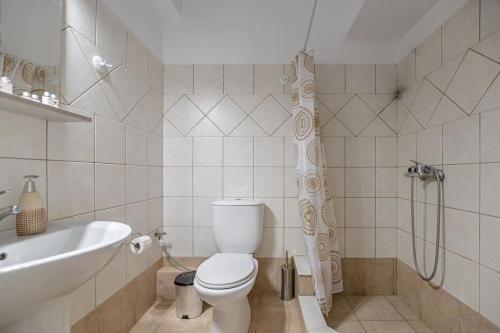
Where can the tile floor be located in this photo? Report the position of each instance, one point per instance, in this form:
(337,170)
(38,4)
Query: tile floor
(373,314)
(351,314)
(269,315)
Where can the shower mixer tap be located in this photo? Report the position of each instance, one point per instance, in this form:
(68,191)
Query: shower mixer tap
(423,171)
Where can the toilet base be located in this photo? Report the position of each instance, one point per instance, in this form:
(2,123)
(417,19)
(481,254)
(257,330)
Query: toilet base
(232,317)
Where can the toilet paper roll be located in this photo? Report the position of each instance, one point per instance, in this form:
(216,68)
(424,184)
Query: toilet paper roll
(139,244)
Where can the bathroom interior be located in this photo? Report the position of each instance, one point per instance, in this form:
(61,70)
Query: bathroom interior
(233,166)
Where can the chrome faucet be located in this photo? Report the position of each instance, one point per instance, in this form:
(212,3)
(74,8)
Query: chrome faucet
(423,171)
(9,210)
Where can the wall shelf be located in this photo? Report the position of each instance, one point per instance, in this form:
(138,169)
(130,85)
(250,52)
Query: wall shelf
(17,104)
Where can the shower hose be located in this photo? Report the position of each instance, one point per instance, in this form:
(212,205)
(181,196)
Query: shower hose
(172,259)
(438,226)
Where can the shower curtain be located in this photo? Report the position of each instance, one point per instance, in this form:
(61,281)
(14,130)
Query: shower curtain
(315,198)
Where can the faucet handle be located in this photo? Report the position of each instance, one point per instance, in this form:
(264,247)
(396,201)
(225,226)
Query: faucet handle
(4,191)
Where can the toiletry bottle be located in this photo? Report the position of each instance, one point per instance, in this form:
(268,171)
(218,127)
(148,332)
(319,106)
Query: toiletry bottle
(33,217)
(46,98)
(5,85)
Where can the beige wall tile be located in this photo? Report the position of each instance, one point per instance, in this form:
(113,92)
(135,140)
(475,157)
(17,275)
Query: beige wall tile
(429,145)
(461,141)
(360,152)
(461,189)
(425,102)
(204,242)
(490,182)
(360,182)
(136,146)
(71,189)
(330,78)
(178,211)
(268,182)
(386,152)
(386,182)
(110,141)
(238,79)
(76,74)
(81,15)
(178,151)
(293,241)
(71,141)
(336,178)
(471,81)
(385,79)
(155,150)
(156,73)
(385,242)
(179,79)
(207,151)
(360,242)
(238,182)
(360,79)
(208,79)
(238,151)
(386,212)
(490,136)
(461,30)
(155,182)
(334,151)
(490,17)
(462,233)
(111,35)
(272,243)
(490,295)
(360,212)
(137,57)
(407,149)
(267,79)
(202,211)
(177,181)
(268,151)
(13,140)
(207,181)
(109,185)
(137,183)
(490,237)
(428,54)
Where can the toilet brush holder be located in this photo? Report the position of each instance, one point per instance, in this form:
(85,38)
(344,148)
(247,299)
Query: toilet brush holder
(287,281)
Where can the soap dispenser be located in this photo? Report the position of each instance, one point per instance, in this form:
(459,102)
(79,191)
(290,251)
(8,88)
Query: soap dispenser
(33,217)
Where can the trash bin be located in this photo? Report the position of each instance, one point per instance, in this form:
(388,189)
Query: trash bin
(187,302)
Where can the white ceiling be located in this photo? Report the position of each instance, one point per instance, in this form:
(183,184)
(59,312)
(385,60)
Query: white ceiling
(272,31)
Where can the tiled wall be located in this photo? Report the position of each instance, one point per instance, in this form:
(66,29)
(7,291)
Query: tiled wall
(228,134)
(109,168)
(449,116)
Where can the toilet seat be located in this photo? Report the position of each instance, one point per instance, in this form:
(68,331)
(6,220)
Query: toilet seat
(226,271)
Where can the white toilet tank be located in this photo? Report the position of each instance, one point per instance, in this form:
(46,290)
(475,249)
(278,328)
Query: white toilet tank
(238,225)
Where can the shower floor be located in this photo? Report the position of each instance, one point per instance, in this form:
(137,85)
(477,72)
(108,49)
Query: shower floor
(351,314)
(373,314)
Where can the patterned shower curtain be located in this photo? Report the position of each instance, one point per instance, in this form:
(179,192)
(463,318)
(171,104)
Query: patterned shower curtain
(315,197)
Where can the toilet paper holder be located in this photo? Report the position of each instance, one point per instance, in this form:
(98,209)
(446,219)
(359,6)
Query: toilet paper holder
(154,234)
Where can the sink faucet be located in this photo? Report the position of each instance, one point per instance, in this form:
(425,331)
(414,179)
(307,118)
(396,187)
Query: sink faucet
(10,210)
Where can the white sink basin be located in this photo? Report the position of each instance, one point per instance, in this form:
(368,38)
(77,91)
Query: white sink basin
(39,271)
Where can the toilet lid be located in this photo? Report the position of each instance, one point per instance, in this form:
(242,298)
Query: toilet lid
(225,270)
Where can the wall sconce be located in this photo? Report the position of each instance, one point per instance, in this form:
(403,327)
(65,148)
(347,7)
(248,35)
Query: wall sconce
(100,64)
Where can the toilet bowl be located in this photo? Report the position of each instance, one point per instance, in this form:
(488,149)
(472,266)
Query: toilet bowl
(224,281)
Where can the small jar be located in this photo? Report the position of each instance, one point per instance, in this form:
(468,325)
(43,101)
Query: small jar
(46,99)
(5,85)
(55,100)
(35,97)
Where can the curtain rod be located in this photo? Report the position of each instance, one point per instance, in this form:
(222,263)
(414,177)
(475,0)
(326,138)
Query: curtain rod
(310,24)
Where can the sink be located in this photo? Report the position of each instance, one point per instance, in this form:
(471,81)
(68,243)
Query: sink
(38,272)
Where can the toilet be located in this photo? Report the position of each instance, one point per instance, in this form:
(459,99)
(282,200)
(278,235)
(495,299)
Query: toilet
(225,279)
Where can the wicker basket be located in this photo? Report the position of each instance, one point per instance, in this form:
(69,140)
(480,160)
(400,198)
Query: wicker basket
(31,222)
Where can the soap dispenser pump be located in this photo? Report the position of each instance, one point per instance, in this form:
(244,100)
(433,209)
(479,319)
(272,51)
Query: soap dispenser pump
(33,217)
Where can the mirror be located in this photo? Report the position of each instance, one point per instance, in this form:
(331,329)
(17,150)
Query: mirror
(30,44)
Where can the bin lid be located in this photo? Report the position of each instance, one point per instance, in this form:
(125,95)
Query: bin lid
(185,279)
